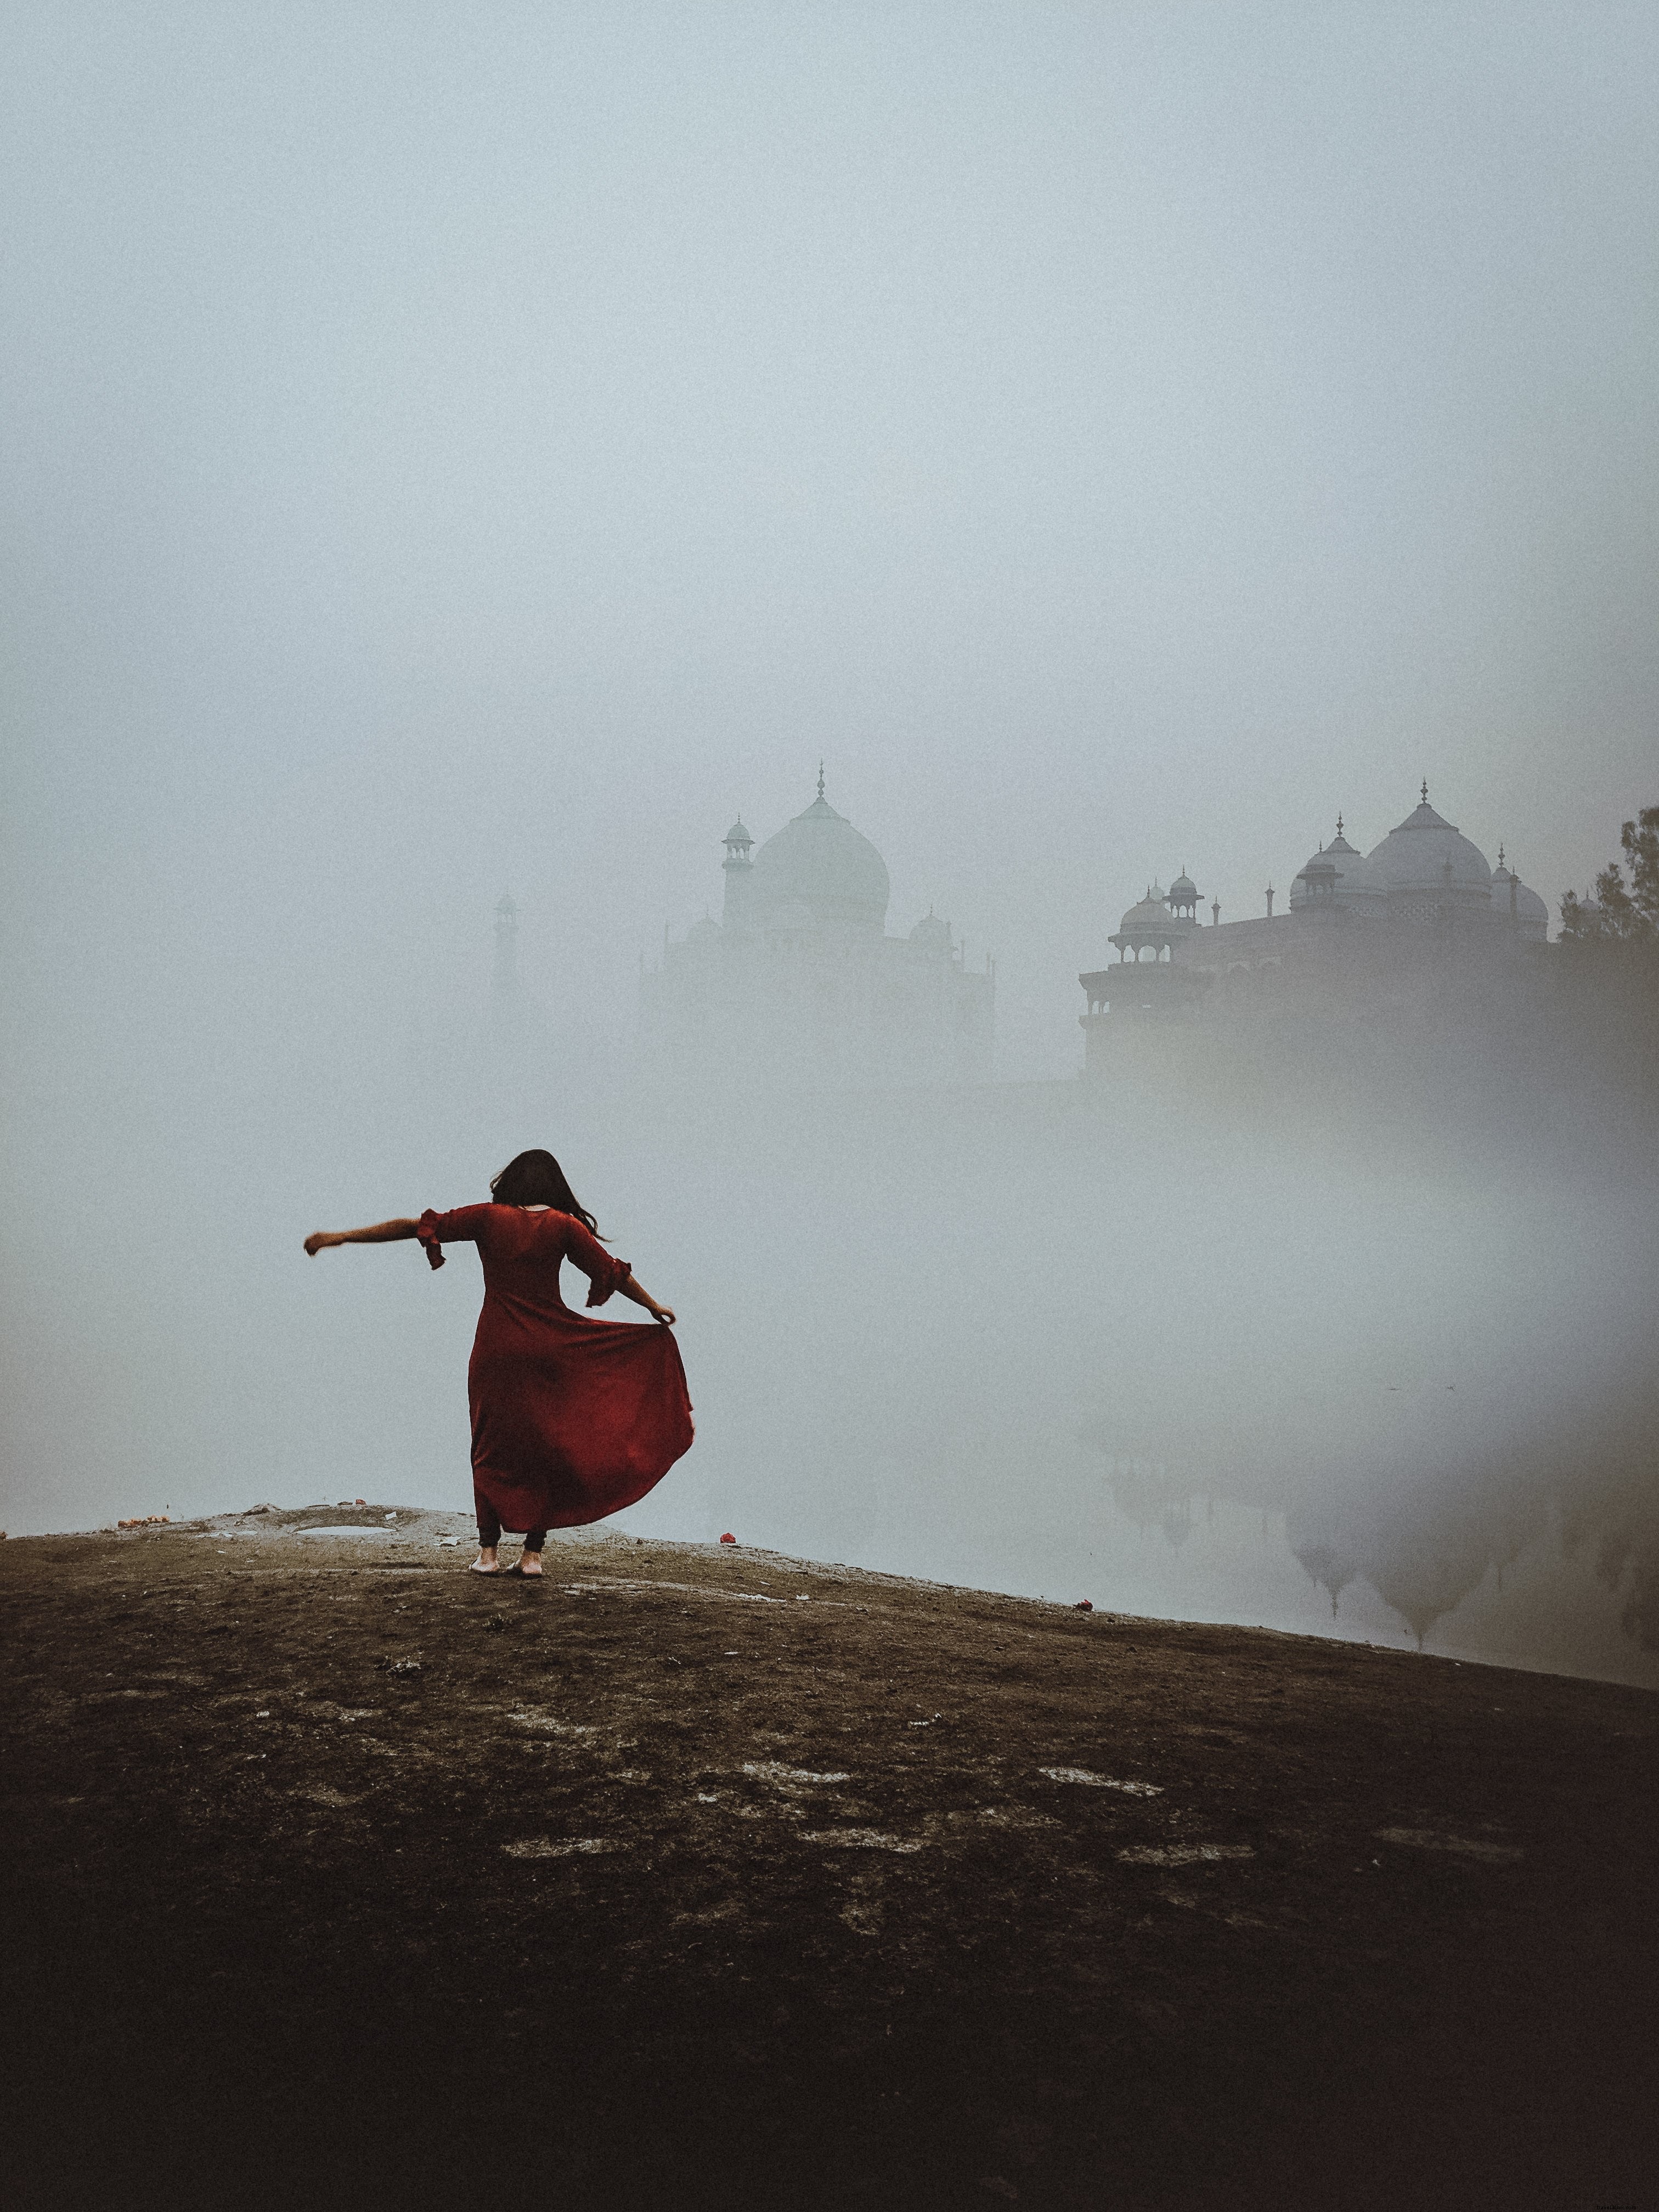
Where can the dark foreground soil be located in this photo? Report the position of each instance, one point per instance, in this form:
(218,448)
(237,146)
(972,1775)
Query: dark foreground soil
(340,1876)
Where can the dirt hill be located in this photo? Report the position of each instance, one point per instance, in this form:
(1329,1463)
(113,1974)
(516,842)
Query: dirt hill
(693,1877)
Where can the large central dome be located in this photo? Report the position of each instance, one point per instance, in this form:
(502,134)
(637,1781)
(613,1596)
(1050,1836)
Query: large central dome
(1426,855)
(823,871)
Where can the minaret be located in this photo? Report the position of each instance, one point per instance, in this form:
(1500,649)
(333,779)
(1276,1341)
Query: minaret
(739,871)
(507,947)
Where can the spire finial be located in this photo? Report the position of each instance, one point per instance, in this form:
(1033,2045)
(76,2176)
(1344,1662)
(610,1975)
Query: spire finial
(1500,852)
(1338,825)
(820,779)
(1425,790)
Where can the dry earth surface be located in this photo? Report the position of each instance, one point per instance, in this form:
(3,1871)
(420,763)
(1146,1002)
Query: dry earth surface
(693,1877)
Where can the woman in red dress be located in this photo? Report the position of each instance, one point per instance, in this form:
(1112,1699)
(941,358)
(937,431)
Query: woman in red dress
(571,1419)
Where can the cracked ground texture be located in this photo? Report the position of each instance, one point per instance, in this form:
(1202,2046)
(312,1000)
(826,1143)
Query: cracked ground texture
(702,1877)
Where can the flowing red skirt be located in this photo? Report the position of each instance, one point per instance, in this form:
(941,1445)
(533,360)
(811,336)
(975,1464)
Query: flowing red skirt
(572,1418)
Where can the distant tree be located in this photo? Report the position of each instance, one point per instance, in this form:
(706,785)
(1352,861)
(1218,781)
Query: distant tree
(1625,914)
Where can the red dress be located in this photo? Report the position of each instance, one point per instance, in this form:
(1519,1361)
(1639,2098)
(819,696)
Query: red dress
(571,1419)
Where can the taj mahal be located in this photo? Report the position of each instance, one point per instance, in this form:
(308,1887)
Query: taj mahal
(799,979)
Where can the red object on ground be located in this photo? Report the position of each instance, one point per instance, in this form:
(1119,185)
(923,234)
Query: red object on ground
(728,1538)
(571,1419)
(1084,1605)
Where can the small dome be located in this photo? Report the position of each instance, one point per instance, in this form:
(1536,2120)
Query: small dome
(737,835)
(1149,921)
(1337,876)
(1529,910)
(820,862)
(931,934)
(1415,855)
(1183,887)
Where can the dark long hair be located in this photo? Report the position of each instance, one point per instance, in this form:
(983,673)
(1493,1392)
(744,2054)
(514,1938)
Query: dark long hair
(536,1179)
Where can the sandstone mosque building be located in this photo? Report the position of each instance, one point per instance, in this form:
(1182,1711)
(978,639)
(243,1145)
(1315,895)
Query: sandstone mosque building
(800,981)
(1363,929)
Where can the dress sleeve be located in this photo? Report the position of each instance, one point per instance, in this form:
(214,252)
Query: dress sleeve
(604,1274)
(460,1227)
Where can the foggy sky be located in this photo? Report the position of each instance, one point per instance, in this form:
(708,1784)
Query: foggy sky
(456,448)
(450,450)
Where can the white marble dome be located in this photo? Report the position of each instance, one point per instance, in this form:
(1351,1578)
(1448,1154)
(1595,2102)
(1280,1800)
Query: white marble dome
(1338,876)
(820,864)
(1413,859)
(1150,922)
(1529,910)
(1148,913)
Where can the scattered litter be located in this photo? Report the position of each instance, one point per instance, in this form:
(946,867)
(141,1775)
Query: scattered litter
(1084,1605)
(360,1501)
(928,1722)
(1100,1781)
(859,1839)
(391,1517)
(769,1771)
(802,1597)
(728,1538)
(449,1540)
(346,1528)
(264,1715)
(543,1847)
(708,1797)
(402,1666)
(1435,1839)
(1183,1854)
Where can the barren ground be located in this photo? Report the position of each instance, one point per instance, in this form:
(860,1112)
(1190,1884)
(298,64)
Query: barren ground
(340,1876)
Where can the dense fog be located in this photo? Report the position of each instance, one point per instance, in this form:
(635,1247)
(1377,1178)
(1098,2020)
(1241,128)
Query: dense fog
(455,451)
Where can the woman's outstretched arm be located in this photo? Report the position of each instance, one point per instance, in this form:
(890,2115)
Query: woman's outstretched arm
(382,1232)
(633,1288)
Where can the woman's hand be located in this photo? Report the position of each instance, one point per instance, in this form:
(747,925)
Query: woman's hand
(316,1239)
